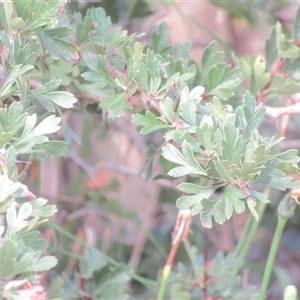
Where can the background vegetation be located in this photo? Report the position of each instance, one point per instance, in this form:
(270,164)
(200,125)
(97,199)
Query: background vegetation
(118,129)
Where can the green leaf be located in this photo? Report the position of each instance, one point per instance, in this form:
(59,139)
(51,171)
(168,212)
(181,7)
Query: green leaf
(282,86)
(187,159)
(222,169)
(149,122)
(296,27)
(44,263)
(188,154)
(205,132)
(17,24)
(222,79)
(279,181)
(210,58)
(170,81)
(57,45)
(251,202)
(252,114)
(272,49)
(45,12)
(11,216)
(81,32)
(58,148)
(31,239)
(166,106)
(116,39)
(160,40)
(5,138)
(24,212)
(7,258)
(48,125)
(101,23)
(201,192)
(94,262)
(170,153)
(61,98)
(98,69)
(222,208)
(6,12)
(233,143)
(141,74)
(42,211)
(7,187)
(153,63)
(116,105)
(189,102)
(256,72)
(259,196)
(9,86)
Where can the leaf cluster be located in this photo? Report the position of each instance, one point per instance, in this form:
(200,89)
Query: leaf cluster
(226,147)
(217,279)
(27,127)
(101,278)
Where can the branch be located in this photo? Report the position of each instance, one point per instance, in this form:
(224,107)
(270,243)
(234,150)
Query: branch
(276,112)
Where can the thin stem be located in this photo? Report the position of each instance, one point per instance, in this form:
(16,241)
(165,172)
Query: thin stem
(253,229)
(249,230)
(181,230)
(271,258)
(244,236)
(166,271)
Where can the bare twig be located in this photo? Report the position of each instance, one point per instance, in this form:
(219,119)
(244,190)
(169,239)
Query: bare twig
(276,112)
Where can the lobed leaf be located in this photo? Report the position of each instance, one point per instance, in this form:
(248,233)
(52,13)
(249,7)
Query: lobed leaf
(149,122)
(229,201)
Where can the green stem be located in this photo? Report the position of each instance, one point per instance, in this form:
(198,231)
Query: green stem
(252,231)
(271,258)
(244,236)
(164,281)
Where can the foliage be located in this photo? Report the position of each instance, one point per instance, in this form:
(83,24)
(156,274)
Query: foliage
(210,117)
(221,283)
(25,133)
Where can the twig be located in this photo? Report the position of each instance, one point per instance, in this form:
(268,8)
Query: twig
(276,112)
(180,233)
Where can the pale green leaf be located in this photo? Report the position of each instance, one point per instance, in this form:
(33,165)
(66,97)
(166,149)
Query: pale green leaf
(58,148)
(223,171)
(61,98)
(170,153)
(48,125)
(251,202)
(7,258)
(166,106)
(149,122)
(44,263)
(222,207)
(296,27)
(24,212)
(116,105)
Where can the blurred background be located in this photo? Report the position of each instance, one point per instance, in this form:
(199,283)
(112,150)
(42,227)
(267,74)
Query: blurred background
(111,191)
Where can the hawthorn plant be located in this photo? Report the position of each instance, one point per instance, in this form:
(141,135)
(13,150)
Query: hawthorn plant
(209,114)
